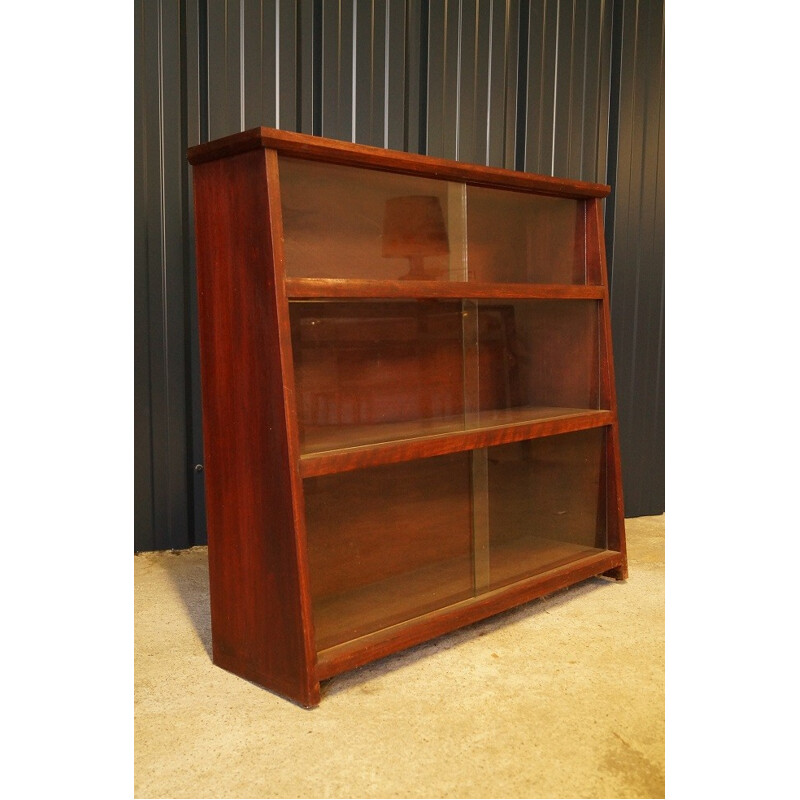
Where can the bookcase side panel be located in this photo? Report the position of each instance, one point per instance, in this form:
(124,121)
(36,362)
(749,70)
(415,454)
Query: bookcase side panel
(261,626)
(598,273)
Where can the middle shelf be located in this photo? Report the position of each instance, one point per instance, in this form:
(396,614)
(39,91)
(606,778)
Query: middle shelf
(380,381)
(340,448)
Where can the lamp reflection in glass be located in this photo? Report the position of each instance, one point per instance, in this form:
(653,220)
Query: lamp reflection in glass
(413,228)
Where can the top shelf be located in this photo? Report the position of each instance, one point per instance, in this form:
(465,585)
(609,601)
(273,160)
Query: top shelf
(321,288)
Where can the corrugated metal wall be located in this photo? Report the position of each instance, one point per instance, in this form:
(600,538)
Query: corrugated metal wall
(573,88)
(635,243)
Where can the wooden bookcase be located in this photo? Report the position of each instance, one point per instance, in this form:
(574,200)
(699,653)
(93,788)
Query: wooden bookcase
(409,411)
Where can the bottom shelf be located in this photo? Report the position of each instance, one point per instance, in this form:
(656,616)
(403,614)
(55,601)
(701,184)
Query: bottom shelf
(350,615)
(356,652)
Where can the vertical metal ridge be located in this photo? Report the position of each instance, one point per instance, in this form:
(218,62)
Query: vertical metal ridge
(353,73)
(489,84)
(457,139)
(416,75)
(555,89)
(164,380)
(144,488)
(581,175)
(635,225)
(189,135)
(522,87)
(424,78)
(316,56)
(202,67)
(162,426)
(241,65)
(386,98)
(277,63)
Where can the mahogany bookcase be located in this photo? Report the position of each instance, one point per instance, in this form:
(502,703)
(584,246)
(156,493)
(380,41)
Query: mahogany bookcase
(409,411)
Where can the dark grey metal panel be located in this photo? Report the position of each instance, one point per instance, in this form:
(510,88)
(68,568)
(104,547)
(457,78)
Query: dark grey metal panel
(567,69)
(598,86)
(258,60)
(225,56)
(144,523)
(306,85)
(395,131)
(195,131)
(444,78)
(416,74)
(435,83)
(497,37)
(514,113)
(567,97)
(337,63)
(364,74)
(287,80)
(541,40)
(635,222)
(468,56)
(161,368)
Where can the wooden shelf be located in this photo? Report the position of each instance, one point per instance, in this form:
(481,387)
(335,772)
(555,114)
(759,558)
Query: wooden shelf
(342,448)
(324,288)
(355,613)
(355,627)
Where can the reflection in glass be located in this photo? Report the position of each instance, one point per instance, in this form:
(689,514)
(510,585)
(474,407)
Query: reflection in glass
(362,224)
(344,222)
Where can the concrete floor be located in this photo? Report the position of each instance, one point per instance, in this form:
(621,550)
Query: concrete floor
(563,697)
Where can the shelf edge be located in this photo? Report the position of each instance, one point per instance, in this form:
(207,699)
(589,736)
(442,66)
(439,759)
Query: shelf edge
(372,455)
(339,288)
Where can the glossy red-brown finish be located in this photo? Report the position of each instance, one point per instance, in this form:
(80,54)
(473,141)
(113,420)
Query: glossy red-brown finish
(424,445)
(337,152)
(260,617)
(598,273)
(387,460)
(310,288)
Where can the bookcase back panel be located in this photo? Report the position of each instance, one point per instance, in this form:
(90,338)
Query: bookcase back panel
(346,222)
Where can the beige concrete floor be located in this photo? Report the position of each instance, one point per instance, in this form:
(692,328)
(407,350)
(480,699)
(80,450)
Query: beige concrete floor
(563,697)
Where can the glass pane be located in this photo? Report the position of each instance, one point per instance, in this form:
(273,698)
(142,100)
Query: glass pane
(370,371)
(346,222)
(546,505)
(390,543)
(387,544)
(536,354)
(354,223)
(523,238)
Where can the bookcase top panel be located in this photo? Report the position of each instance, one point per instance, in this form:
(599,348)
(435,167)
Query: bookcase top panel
(339,152)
